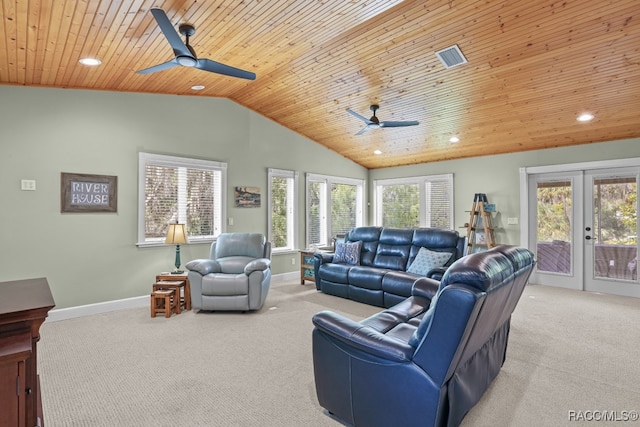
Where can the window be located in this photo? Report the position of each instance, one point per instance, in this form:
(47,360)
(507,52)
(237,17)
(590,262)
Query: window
(188,191)
(282,214)
(423,201)
(334,205)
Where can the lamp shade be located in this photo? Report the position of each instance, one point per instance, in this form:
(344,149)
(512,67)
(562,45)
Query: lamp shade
(176,234)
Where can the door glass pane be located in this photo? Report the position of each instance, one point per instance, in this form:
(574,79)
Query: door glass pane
(554,210)
(614,228)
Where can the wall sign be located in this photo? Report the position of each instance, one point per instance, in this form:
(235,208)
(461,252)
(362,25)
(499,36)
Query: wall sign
(88,193)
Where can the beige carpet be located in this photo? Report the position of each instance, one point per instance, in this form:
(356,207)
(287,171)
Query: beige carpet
(568,351)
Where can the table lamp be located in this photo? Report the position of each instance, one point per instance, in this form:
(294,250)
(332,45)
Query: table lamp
(176,235)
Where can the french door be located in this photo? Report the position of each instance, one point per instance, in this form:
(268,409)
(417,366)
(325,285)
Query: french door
(583,227)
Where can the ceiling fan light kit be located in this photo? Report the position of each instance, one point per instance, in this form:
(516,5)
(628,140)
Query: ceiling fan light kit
(185,55)
(374,121)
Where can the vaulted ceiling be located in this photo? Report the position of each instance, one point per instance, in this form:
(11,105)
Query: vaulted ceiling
(533,66)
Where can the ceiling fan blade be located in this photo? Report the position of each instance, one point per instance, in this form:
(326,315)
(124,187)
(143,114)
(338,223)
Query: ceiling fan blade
(159,67)
(227,70)
(366,128)
(358,116)
(398,124)
(170,33)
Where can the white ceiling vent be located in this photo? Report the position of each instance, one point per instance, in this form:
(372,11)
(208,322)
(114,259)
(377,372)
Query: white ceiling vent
(451,56)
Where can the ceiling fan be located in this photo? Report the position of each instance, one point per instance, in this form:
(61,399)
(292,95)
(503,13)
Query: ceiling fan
(185,55)
(374,122)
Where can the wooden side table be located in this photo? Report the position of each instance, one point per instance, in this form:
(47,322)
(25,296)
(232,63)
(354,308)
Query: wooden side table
(307,271)
(165,301)
(186,299)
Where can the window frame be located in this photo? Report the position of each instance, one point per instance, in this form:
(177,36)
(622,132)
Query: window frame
(292,222)
(422,182)
(145,159)
(327,233)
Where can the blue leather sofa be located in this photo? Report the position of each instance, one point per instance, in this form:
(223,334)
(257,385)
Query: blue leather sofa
(428,360)
(381,278)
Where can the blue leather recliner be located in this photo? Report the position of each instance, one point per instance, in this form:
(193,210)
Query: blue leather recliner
(427,360)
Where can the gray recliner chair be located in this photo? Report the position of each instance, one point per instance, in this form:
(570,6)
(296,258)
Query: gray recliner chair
(235,277)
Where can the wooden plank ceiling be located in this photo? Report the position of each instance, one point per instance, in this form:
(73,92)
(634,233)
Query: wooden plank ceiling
(533,66)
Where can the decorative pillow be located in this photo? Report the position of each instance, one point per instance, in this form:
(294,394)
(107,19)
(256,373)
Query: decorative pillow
(427,260)
(348,253)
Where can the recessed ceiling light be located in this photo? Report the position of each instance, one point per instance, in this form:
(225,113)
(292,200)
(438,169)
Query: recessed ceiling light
(454,139)
(377,152)
(197,87)
(585,117)
(90,61)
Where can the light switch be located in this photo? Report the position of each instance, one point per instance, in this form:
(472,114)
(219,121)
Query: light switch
(28,185)
(230,220)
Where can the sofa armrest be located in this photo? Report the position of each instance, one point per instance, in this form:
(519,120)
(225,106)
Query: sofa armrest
(203,266)
(258,264)
(437,273)
(425,287)
(363,338)
(323,257)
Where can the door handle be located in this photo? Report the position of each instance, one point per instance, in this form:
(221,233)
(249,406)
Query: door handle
(587,237)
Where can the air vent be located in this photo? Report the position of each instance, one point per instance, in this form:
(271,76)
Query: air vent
(451,56)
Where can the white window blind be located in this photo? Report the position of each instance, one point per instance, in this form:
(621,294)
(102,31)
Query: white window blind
(334,205)
(176,189)
(316,213)
(282,209)
(424,201)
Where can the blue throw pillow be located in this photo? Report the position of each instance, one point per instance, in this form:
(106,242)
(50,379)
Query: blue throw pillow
(348,253)
(427,260)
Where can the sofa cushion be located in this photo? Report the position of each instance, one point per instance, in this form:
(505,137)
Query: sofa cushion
(424,325)
(335,273)
(398,283)
(348,253)
(233,264)
(366,277)
(393,249)
(369,237)
(240,244)
(427,260)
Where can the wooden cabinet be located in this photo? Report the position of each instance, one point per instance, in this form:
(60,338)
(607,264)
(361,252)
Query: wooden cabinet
(24,305)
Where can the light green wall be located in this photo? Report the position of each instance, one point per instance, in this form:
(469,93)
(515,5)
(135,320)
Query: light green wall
(499,177)
(91,258)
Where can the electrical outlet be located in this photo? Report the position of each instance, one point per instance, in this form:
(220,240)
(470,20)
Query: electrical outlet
(293,261)
(512,221)
(230,220)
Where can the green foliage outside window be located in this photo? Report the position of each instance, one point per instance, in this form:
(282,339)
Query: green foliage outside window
(614,211)
(279,212)
(343,208)
(401,205)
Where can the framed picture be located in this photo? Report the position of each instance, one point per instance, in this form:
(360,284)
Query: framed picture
(247,197)
(88,193)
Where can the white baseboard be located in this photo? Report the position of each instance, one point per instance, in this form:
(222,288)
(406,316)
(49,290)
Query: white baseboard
(127,303)
(97,308)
